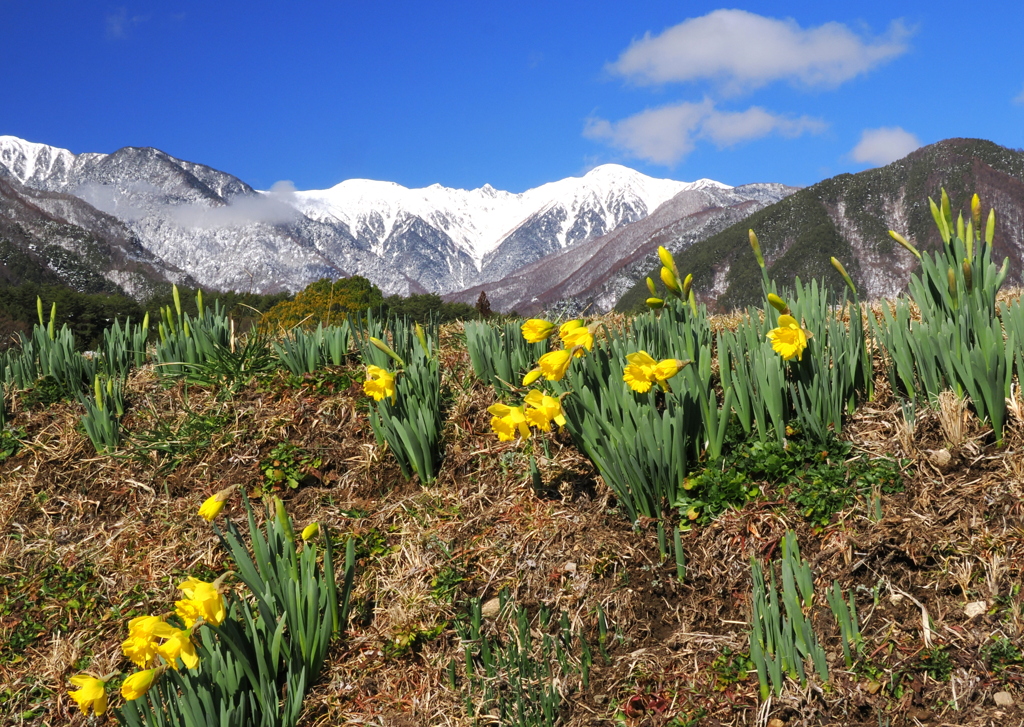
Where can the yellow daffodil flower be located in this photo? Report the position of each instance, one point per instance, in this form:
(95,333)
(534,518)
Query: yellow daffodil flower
(91,694)
(563,330)
(639,372)
(210,508)
(179,645)
(642,371)
(138,684)
(788,340)
(215,503)
(578,338)
(543,409)
(553,365)
(203,601)
(310,531)
(143,631)
(507,421)
(666,369)
(380,383)
(536,330)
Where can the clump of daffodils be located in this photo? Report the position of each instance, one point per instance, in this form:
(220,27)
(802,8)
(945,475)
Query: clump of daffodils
(643,371)
(154,644)
(539,410)
(577,338)
(675,284)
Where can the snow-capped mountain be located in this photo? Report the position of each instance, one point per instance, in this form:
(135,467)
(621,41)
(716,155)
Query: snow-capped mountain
(591,277)
(486,233)
(224,234)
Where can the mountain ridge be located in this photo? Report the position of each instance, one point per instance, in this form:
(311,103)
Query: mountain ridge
(225,234)
(848,216)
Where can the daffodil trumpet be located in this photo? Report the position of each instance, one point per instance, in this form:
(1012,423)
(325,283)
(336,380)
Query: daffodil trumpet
(790,339)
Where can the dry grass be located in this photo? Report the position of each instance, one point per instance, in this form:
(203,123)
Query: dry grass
(91,541)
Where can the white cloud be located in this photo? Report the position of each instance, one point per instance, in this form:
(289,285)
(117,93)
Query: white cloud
(140,200)
(118,23)
(729,128)
(879,147)
(666,135)
(741,51)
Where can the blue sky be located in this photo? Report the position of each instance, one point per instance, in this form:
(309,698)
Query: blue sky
(512,94)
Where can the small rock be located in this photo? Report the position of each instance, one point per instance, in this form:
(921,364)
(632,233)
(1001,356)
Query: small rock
(569,567)
(939,457)
(975,608)
(491,609)
(896,599)
(1003,699)
(871,686)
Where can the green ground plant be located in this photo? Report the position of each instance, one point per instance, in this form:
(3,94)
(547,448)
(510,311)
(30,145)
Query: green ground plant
(519,670)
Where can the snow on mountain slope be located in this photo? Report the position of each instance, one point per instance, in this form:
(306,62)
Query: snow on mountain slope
(227,235)
(590,276)
(477,221)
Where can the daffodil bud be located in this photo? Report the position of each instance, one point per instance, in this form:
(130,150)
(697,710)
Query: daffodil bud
(666,258)
(903,241)
(990,226)
(381,346)
(778,304)
(212,506)
(531,377)
(177,298)
(653,304)
(687,284)
(947,212)
(536,330)
(283,520)
(421,337)
(651,287)
(139,683)
(968,276)
(940,221)
(842,271)
(756,247)
(960,232)
(310,531)
(145,321)
(98,387)
(199,302)
(951,279)
(976,211)
(669,279)
(39,310)
(51,326)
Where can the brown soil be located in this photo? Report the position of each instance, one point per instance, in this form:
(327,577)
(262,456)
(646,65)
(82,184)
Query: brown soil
(91,541)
